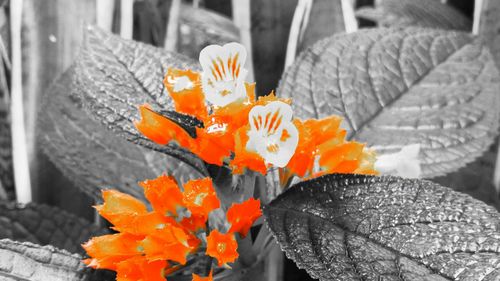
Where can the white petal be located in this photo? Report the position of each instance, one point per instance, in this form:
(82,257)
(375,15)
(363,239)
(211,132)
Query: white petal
(404,163)
(181,83)
(223,77)
(272,134)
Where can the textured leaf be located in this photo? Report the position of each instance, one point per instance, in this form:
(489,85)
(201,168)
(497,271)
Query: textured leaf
(399,87)
(92,156)
(199,28)
(423,13)
(45,225)
(28,261)
(489,26)
(353,227)
(116,75)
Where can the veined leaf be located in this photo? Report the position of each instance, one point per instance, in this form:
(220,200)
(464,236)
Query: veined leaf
(45,225)
(423,13)
(115,76)
(92,156)
(28,261)
(354,227)
(399,87)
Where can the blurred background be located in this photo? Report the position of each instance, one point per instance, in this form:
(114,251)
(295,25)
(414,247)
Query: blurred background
(40,39)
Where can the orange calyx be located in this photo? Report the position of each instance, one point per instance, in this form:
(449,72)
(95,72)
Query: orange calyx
(242,216)
(222,247)
(108,250)
(199,278)
(160,129)
(184,86)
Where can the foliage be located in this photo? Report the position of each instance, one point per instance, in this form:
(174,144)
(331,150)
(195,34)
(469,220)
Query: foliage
(385,227)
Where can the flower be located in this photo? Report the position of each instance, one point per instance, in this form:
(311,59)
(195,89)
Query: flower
(140,269)
(241,216)
(164,195)
(199,278)
(223,73)
(184,86)
(222,247)
(200,197)
(272,134)
(404,163)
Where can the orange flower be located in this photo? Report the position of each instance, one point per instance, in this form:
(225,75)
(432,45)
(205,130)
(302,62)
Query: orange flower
(242,216)
(200,197)
(140,269)
(160,129)
(222,247)
(169,243)
(108,250)
(184,86)
(199,278)
(164,195)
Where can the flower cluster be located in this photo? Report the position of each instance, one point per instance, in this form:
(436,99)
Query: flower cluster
(149,245)
(245,132)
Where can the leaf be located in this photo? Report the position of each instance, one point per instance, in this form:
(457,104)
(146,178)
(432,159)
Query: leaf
(92,156)
(28,261)
(423,13)
(488,25)
(45,225)
(354,227)
(399,87)
(116,75)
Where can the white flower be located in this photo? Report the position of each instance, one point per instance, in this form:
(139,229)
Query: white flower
(272,134)
(404,163)
(223,77)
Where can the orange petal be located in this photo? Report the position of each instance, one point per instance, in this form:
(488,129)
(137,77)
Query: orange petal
(213,148)
(244,159)
(242,216)
(107,250)
(143,224)
(160,129)
(332,158)
(164,195)
(222,247)
(199,278)
(119,206)
(303,159)
(184,86)
(194,223)
(140,269)
(173,244)
(200,197)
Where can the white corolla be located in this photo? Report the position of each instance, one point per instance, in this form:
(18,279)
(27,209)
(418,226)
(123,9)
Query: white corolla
(272,134)
(223,77)
(404,163)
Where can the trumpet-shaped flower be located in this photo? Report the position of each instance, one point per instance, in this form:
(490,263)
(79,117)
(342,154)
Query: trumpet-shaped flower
(200,197)
(404,163)
(223,77)
(241,216)
(272,134)
(222,247)
(184,86)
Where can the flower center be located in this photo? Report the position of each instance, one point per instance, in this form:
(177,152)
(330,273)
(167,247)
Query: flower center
(221,247)
(199,199)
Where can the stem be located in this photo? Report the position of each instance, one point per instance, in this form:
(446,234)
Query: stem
(19,144)
(247,255)
(173,25)
(274,264)
(126,18)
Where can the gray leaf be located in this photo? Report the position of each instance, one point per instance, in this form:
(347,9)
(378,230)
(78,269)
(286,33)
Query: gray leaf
(45,225)
(354,227)
(399,87)
(27,261)
(423,13)
(116,76)
(92,156)
(489,26)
